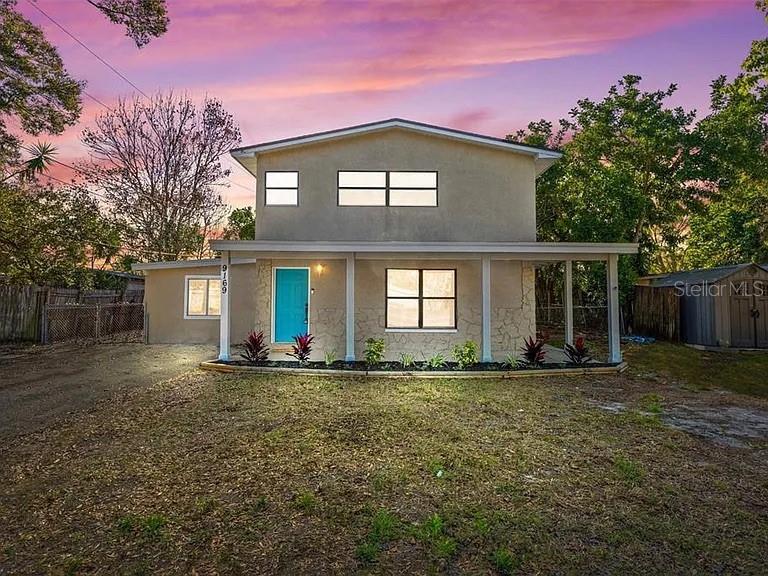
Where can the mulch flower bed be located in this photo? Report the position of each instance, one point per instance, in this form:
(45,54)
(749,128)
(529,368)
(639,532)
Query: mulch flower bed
(361,366)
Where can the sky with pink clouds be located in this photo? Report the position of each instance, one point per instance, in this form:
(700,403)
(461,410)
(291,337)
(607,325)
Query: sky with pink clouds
(288,67)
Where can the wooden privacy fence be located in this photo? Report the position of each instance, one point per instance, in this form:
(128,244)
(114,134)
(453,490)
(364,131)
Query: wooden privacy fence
(21,312)
(656,312)
(22,308)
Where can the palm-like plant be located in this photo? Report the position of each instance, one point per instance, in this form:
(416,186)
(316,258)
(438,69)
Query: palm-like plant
(41,157)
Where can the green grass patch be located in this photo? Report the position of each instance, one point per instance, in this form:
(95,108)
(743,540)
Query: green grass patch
(628,470)
(305,501)
(742,372)
(432,532)
(385,527)
(651,403)
(150,526)
(504,561)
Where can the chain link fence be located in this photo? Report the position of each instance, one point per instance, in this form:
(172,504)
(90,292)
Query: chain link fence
(123,322)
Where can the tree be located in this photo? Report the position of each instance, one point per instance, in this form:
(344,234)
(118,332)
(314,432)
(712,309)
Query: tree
(158,163)
(143,19)
(41,156)
(35,88)
(51,237)
(241,225)
(734,154)
(626,176)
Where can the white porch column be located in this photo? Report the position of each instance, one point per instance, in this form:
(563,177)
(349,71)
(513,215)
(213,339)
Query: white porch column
(568,301)
(350,315)
(224,310)
(486,287)
(614,334)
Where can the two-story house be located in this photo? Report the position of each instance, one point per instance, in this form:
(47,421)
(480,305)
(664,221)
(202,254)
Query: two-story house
(421,235)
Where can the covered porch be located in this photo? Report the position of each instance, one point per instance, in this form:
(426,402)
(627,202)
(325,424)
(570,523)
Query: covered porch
(494,286)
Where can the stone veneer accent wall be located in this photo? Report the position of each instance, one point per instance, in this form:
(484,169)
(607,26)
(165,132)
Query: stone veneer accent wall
(512,307)
(327,305)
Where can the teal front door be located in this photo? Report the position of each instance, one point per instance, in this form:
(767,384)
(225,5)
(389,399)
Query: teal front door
(291,303)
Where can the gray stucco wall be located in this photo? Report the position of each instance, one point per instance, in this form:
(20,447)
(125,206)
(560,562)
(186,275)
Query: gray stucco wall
(484,194)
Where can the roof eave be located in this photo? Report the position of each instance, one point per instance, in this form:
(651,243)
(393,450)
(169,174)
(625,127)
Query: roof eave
(537,153)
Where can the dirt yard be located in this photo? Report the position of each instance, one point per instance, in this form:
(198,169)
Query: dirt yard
(173,470)
(40,384)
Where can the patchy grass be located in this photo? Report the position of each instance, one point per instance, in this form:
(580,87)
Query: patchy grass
(629,471)
(742,372)
(213,473)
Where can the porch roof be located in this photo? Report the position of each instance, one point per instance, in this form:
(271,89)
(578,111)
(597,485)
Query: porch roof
(535,248)
(544,251)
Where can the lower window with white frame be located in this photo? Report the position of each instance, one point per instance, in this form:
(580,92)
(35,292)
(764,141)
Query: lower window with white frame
(420,299)
(202,297)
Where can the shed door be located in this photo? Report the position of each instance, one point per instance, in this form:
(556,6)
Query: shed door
(749,316)
(761,320)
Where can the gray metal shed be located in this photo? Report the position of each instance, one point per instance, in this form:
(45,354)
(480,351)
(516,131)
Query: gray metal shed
(725,306)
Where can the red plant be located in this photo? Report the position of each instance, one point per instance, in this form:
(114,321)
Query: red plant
(533,352)
(578,353)
(255,349)
(302,347)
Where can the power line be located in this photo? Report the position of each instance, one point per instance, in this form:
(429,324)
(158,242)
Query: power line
(50,100)
(113,69)
(84,45)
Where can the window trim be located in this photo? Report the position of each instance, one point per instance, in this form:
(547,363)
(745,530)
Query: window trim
(297,188)
(421,298)
(206,316)
(387,188)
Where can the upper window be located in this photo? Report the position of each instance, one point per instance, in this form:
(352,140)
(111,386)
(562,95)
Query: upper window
(421,299)
(202,297)
(281,188)
(387,188)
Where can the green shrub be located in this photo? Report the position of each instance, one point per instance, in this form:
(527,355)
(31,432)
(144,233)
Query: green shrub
(374,351)
(435,362)
(511,362)
(330,357)
(407,360)
(465,354)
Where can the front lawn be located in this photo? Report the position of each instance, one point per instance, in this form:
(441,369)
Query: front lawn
(215,473)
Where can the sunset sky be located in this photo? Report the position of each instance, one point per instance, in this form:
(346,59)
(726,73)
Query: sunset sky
(288,67)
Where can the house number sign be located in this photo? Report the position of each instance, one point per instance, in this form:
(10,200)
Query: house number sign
(224,275)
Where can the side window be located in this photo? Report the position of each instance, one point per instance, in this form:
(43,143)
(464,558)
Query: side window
(202,297)
(281,188)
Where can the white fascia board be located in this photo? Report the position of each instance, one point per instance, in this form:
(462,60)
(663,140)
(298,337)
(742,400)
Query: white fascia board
(187,264)
(537,153)
(426,247)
